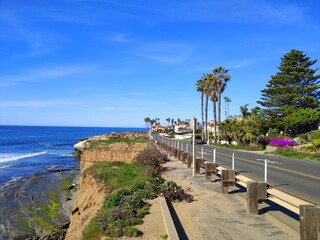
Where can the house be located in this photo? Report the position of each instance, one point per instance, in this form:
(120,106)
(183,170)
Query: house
(183,128)
(159,128)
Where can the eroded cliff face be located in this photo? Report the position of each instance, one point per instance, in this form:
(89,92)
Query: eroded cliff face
(89,200)
(91,194)
(107,153)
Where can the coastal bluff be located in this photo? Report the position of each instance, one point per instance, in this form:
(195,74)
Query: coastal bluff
(91,194)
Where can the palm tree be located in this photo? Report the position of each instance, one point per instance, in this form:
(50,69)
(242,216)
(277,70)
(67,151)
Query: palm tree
(168,120)
(227,100)
(222,77)
(172,121)
(147,121)
(226,129)
(214,98)
(200,86)
(207,92)
(244,110)
(152,121)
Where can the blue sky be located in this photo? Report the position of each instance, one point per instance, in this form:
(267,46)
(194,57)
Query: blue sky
(115,62)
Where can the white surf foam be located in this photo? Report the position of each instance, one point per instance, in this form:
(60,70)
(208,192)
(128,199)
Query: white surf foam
(4,166)
(14,157)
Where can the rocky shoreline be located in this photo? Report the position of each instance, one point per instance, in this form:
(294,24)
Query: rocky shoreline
(38,206)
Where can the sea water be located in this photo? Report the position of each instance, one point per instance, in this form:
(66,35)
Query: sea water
(26,150)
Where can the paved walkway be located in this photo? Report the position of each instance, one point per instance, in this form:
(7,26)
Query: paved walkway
(215,216)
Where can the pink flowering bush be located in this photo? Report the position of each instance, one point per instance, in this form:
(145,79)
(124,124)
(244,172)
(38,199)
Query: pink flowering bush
(153,159)
(281,143)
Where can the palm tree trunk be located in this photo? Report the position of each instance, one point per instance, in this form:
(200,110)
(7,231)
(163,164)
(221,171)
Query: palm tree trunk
(215,121)
(219,114)
(202,133)
(206,118)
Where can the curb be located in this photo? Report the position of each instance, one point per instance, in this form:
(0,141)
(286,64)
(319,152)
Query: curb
(167,219)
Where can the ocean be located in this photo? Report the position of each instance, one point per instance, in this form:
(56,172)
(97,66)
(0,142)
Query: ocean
(26,150)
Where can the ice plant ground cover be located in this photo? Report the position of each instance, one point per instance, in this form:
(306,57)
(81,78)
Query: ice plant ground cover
(281,143)
(128,186)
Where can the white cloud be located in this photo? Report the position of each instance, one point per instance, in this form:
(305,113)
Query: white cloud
(168,52)
(38,75)
(118,38)
(37,103)
(240,64)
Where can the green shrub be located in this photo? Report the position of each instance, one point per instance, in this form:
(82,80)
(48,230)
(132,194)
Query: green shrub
(289,152)
(273,132)
(303,136)
(315,135)
(116,140)
(316,143)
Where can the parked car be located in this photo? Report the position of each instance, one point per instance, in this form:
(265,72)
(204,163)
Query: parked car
(197,140)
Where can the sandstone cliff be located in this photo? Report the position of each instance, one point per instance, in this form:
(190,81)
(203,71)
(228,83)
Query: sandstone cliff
(89,200)
(108,153)
(91,194)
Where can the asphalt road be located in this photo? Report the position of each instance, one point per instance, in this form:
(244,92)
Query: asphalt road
(295,176)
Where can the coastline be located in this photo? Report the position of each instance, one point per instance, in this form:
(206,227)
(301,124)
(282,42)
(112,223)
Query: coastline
(37,205)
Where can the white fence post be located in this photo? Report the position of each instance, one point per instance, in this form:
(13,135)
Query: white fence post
(214,155)
(265,170)
(232,161)
(202,152)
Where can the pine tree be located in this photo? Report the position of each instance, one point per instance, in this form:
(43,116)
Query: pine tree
(294,87)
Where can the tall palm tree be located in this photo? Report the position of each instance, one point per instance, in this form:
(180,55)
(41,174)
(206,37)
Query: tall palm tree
(222,77)
(200,86)
(152,121)
(147,121)
(207,92)
(227,100)
(168,120)
(214,98)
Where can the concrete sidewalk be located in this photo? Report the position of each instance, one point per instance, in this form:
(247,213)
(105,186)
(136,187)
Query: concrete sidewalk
(215,216)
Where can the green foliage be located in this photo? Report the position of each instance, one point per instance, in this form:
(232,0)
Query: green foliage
(245,147)
(315,140)
(288,152)
(174,192)
(117,175)
(116,140)
(316,143)
(164,236)
(243,130)
(315,135)
(295,86)
(273,132)
(301,120)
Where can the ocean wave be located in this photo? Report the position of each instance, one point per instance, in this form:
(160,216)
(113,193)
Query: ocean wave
(13,179)
(14,157)
(2,167)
